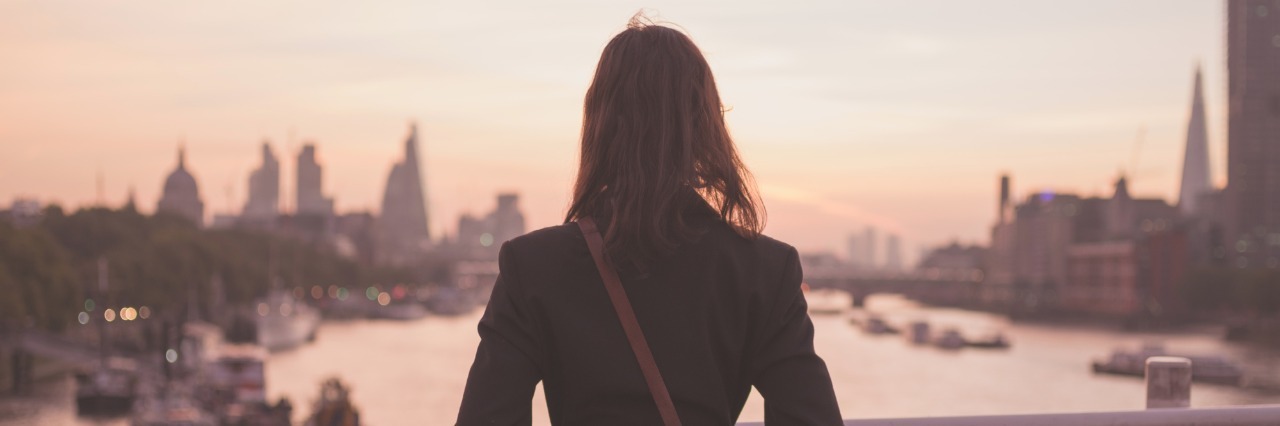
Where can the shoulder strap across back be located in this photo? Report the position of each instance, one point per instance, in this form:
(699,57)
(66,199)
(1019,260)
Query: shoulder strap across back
(630,325)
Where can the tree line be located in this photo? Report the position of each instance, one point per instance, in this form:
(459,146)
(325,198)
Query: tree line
(49,269)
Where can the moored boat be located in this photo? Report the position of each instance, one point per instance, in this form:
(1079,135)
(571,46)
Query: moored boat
(284,322)
(919,332)
(828,301)
(1204,368)
(949,339)
(877,325)
(108,390)
(449,301)
(238,380)
(404,311)
(991,340)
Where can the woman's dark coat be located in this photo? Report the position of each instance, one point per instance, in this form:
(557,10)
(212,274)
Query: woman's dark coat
(722,314)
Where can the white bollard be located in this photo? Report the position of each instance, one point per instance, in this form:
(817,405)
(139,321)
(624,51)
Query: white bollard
(1168,382)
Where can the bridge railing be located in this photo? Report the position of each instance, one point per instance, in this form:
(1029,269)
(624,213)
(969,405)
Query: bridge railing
(1168,398)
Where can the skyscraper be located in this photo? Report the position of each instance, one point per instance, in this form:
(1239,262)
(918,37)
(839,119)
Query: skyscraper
(862,249)
(1004,209)
(854,246)
(869,247)
(181,193)
(893,253)
(403,222)
(1195,160)
(264,190)
(508,221)
(1253,132)
(503,224)
(310,198)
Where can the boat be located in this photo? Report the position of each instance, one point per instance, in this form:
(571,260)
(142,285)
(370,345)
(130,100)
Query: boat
(284,322)
(349,309)
(169,409)
(334,407)
(1204,368)
(828,301)
(991,340)
(919,332)
(449,301)
(949,339)
(239,373)
(877,325)
(199,346)
(238,380)
(404,311)
(108,390)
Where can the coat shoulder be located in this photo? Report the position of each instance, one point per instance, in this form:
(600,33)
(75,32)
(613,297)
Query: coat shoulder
(549,241)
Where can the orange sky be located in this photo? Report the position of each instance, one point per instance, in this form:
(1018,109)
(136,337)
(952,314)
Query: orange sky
(898,115)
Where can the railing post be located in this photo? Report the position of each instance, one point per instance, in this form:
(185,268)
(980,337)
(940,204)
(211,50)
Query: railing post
(1168,382)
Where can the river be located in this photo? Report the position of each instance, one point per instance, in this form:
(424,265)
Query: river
(411,373)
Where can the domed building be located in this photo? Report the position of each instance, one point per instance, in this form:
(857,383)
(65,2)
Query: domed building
(182,194)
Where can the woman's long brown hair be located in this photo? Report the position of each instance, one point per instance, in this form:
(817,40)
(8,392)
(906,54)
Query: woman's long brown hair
(655,147)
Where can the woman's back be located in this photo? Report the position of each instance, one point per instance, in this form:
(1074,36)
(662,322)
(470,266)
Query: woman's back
(721,313)
(719,304)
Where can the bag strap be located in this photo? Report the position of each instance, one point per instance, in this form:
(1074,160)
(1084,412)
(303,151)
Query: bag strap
(630,325)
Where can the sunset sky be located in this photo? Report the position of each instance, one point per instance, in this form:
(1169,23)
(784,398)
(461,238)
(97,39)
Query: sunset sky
(900,115)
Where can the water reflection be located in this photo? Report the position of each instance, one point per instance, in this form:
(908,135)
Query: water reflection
(412,372)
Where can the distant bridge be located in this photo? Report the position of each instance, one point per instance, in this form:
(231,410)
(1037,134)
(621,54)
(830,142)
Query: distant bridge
(932,287)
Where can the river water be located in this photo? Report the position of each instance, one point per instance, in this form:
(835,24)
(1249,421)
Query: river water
(412,373)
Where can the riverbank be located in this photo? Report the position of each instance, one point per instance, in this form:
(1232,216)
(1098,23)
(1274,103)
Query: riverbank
(1262,332)
(43,370)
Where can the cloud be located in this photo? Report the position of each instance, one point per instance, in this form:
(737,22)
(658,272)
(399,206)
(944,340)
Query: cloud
(829,207)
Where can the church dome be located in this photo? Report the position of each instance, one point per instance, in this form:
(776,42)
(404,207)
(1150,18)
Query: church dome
(180,182)
(181,194)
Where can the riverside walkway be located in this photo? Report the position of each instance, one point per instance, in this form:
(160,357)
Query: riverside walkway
(56,347)
(23,345)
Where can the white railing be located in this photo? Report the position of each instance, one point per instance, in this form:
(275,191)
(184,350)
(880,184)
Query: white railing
(1168,398)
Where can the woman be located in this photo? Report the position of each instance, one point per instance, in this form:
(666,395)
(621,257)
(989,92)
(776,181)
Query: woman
(719,304)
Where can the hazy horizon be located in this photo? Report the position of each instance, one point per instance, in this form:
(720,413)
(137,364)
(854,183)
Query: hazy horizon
(850,114)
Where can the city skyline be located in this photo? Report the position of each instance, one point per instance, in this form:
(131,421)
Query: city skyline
(899,142)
